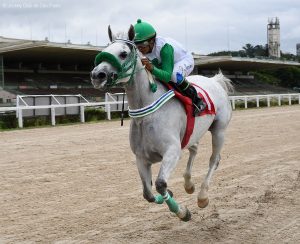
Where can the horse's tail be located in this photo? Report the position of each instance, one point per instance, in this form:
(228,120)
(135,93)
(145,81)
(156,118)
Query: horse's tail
(224,82)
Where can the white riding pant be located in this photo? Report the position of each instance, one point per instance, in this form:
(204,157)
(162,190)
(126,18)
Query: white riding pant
(184,67)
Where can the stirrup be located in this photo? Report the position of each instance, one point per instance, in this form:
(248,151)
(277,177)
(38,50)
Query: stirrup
(198,110)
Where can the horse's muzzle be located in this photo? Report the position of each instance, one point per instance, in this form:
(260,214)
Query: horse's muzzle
(100,79)
(101,76)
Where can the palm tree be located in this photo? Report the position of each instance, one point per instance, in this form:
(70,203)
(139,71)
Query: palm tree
(249,49)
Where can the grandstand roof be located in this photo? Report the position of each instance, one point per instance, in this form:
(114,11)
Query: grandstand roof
(22,50)
(238,63)
(17,49)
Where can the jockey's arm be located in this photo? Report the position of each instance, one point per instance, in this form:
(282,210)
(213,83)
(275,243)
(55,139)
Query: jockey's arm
(164,73)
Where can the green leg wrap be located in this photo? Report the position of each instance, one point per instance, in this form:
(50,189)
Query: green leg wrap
(159,199)
(172,204)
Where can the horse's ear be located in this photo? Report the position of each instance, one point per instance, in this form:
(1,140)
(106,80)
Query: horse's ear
(131,33)
(110,34)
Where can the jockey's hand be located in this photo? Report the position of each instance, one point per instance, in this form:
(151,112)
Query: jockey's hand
(147,63)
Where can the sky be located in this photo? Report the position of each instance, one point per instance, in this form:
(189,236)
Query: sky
(202,26)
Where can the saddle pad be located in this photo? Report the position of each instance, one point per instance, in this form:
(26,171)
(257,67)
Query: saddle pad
(187,102)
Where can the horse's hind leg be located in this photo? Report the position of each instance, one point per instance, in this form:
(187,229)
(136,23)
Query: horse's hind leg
(217,143)
(188,184)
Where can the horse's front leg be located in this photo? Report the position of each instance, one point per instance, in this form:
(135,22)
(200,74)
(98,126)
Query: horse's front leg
(170,159)
(144,168)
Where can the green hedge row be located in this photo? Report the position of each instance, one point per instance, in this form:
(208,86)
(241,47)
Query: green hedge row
(9,121)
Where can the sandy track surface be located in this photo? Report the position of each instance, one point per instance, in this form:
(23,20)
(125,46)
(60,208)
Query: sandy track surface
(79,184)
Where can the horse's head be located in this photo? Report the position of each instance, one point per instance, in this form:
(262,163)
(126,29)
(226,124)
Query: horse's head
(115,65)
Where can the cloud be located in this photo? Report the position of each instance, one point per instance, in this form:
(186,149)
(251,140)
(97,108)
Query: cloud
(203,26)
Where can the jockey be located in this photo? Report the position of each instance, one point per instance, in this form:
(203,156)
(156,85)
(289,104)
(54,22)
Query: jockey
(167,60)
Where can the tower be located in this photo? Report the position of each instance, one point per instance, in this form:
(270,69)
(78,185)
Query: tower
(298,49)
(274,37)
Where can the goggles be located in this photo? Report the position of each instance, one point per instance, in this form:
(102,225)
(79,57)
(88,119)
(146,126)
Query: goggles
(142,44)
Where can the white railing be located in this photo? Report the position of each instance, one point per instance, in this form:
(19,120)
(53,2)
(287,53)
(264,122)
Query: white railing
(268,98)
(19,110)
(108,105)
(115,99)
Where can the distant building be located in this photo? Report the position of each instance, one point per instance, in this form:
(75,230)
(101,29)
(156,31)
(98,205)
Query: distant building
(298,49)
(274,37)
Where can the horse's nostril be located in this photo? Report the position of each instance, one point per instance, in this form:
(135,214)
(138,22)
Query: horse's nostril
(101,75)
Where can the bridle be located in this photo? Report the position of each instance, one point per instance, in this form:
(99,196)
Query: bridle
(126,69)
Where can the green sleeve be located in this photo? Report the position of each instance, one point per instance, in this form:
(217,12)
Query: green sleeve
(164,71)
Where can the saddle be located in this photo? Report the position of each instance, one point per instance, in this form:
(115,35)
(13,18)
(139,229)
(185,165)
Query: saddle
(188,105)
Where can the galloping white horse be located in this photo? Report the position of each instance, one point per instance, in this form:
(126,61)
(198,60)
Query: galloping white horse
(159,121)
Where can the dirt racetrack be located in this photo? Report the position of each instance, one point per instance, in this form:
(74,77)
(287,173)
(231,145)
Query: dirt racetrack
(79,184)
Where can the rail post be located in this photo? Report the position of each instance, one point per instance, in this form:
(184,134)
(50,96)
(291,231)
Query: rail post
(108,114)
(53,116)
(233,103)
(20,117)
(82,118)
(107,107)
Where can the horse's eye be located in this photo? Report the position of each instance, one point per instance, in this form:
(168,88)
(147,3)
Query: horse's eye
(123,55)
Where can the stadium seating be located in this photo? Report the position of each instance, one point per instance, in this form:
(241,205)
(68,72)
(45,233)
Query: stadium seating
(29,82)
(254,87)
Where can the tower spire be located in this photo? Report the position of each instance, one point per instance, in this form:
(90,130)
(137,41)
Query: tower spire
(274,37)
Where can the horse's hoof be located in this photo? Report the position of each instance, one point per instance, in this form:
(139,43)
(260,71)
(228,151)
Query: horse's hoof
(202,203)
(190,190)
(187,217)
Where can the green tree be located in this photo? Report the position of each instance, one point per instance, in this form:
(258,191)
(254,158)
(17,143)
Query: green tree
(249,50)
(260,51)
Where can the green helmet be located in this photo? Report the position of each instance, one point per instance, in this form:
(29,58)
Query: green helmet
(143,31)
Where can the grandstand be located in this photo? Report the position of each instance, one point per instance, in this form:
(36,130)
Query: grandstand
(255,87)
(245,83)
(237,69)
(43,67)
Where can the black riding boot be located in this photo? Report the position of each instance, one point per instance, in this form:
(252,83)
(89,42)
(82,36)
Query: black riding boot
(190,91)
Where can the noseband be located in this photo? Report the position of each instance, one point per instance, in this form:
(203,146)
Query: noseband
(122,69)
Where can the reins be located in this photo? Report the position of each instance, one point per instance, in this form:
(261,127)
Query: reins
(123,105)
(123,72)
